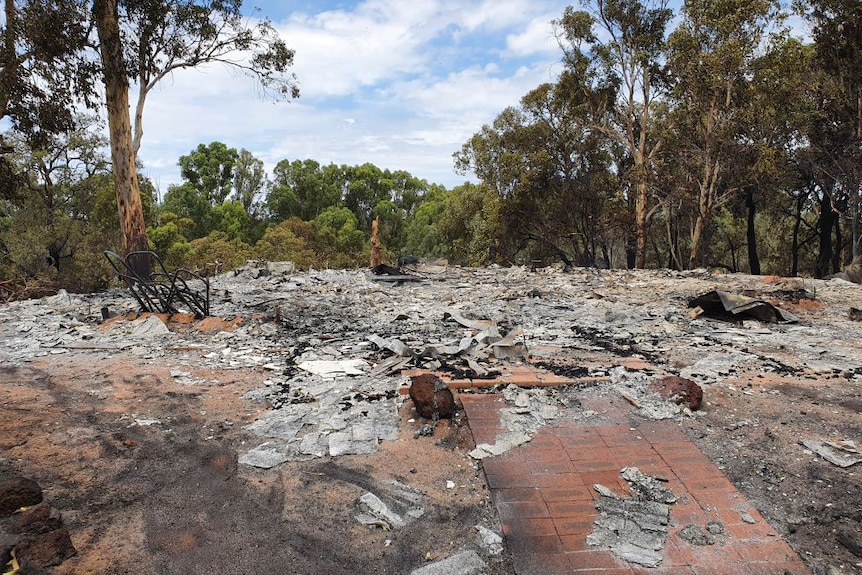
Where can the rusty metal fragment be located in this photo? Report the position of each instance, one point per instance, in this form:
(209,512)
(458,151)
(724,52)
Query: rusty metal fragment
(728,306)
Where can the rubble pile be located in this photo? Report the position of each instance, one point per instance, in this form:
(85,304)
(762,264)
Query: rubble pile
(633,527)
(330,345)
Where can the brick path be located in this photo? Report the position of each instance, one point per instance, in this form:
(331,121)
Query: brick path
(543,493)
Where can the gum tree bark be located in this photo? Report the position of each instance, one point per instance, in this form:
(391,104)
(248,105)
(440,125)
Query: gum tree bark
(120,128)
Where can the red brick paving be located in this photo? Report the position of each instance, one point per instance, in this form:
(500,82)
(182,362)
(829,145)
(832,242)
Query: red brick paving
(543,493)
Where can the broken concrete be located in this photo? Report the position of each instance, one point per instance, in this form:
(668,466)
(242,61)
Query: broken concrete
(489,540)
(841,453)
(404,506)
(465,563)
(633,528)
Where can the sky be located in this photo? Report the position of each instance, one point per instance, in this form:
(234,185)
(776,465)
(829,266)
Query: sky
(402,84)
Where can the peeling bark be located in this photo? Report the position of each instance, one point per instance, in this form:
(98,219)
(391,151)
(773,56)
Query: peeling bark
(119,125)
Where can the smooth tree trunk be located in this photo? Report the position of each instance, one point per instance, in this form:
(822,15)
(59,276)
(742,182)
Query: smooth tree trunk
(120,129)
(706,201)
(856,190)
(10,66)
(751,233)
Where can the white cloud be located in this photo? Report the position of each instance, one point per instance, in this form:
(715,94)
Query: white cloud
(400,84)
(537,38)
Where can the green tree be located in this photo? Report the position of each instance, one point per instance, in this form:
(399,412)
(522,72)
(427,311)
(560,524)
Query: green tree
(41,77)
(712,55)
(217,251)
(232,219)
(210,171)
(142,41)
(422,234)
(249,180)
(303,188)
(338,241)
(616,50)
(185,201)
(288,241)
(471,223)
(367,186)
(405,193)
(551,172)
(837,31)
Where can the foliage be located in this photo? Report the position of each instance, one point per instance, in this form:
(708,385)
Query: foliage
(470,225)
(288,241)
(62,214)
(213,174)
(303,189)
(552,174)
(41,78)
(51,61)
(615,50)
(423,236)
(216,251)
(712,59)
(337,241)
(723,141)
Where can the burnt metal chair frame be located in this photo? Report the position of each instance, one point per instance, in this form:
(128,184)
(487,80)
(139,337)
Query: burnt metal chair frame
(161,291)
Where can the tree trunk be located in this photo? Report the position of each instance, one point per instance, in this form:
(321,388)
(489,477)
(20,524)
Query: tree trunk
(826,221)
(10,66)
(857,181)
(120,129)
(794,247)
(839,244)
(641,224)
(696,235)
(751,234)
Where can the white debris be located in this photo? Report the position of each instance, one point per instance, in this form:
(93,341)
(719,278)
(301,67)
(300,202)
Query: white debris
(146,422)
(265,456)
(490,541)
(149,326)
(465,563)
(332,369)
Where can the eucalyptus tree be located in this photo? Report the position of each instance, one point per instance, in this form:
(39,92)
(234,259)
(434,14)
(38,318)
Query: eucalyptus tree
(249,180)
(711,58)
(616,48)
(142,41)
(550,171)
(367,186)
(836,27)
(209,169)
(158,38)
(41,76)
(304,188)
(218,192)
(776,120)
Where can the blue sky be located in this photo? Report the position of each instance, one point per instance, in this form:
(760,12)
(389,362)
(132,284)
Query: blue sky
(398,83)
